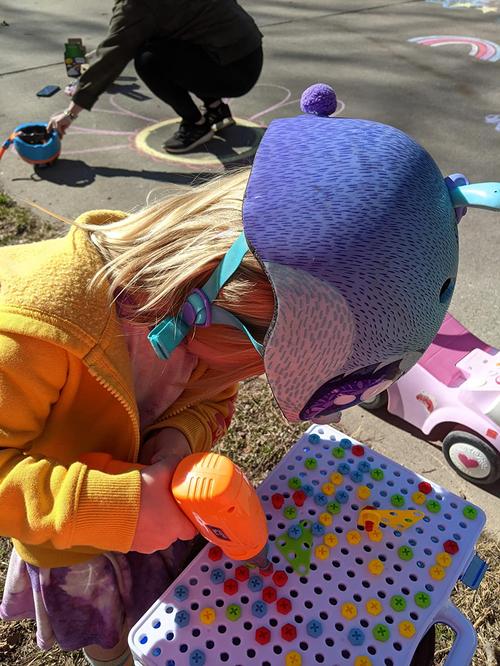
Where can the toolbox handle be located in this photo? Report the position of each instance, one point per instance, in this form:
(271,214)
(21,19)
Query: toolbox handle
(465,642)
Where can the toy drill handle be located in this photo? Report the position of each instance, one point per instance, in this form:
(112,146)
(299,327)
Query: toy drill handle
(216,497)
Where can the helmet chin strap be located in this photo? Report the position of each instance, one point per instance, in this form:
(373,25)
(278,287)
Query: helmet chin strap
(477,195)
(198,309)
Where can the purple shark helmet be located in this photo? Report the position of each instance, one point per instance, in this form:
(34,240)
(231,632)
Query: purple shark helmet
(355,228)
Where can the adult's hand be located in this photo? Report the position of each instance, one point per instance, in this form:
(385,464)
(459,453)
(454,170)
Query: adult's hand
(60,122)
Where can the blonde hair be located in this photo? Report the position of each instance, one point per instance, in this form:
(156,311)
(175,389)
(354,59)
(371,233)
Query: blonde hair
(157,256)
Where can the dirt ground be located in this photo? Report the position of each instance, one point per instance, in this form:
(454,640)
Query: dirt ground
(258,439)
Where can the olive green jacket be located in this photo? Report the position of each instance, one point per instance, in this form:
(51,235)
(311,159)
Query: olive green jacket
(221,27)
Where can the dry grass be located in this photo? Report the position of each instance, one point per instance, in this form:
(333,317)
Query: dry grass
(258,439)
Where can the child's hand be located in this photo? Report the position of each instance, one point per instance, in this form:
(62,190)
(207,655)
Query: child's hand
(165,443)
(160,521)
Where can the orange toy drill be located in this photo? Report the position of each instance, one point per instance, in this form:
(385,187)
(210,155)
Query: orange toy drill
(217,498)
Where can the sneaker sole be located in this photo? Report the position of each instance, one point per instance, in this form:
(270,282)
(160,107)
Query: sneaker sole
(226,122)
(185,149)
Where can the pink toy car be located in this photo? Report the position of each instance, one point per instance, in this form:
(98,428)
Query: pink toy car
(454,389)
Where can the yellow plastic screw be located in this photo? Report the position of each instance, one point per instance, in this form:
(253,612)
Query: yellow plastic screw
(293,659)
(330,539)
(437,572)
(406,629)
(444,559)
(349,611)
(418,497)
(207,615)
(373,606)
(337,478)
(325,519)
(328,488)
(322,552)
(353,537)
(363,492)
(375,567)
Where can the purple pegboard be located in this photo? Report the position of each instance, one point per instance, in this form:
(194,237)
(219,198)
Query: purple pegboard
(345,590)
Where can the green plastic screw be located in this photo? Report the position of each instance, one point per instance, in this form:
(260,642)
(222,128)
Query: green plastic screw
(294,483)
(433,506)
(290,512)
(397,500)
(422,599)
(338,452)
(310,463)
(233,612)
(377,474)
(470,512)
(333,507)
(398,603)
(381,633)
(405,553)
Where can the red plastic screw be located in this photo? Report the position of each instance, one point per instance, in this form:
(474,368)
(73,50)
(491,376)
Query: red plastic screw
(299,497)
(451,547)
(284,606)
(280,578)
(269,595)
(242,573)
(358,450)
(277,500)
(230,586)
(288,632)
(425,487)
(262,635)
(267,571)
(215,553)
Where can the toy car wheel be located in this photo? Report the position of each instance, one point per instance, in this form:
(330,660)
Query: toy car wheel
(471,457)
(377,402)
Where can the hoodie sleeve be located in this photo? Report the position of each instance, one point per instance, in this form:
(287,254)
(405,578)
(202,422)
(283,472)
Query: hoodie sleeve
(44,501)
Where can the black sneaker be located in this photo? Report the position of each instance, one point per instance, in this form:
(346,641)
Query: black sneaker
(187,137)
(219,117)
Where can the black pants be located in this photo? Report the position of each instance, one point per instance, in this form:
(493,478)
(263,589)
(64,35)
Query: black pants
(173,69)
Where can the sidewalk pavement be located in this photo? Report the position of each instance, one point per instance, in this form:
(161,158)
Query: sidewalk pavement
(443,91)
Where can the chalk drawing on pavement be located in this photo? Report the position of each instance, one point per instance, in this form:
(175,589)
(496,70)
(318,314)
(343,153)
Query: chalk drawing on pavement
(493,119)
(484,6)
(481,49)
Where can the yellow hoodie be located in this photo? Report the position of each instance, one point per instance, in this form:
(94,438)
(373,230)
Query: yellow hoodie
(66,389)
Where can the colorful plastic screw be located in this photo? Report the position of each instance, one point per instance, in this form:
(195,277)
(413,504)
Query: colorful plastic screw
(182,618)
(443,559)
(405,553)
(425,487)
(397,500)
(375,534)
(317,529)
(259,608)
(320,499)
(451,547)
(363,492)
(418,497)
(277,501)
(217,576)
(214,553)
(322,552)
(314,628)
(358,450)
(345,443)
(294,483)
(330,539)
(242,573)
(255,583)
(406,629)
(326,519)
(269,595)
(308,489)
(262,635)
(283,605)
(437,572)
(356,475)
(377,474)
(375,567)
(398,603)
(353,537)
(342,496)
(293,659)
(311,464)
(207,615)
(233,612)
(381,633)
(363,661)
(290,512)
(433,506)
(422,599)
(338,452)
(333,507)
(181,593)
(328,488)
(280,578)
(349,611)
(344,468)
(197,658)
(373,606)
(470,512)
(356,636)
(299,497)
(336,478)
(230,586)
(268,571)
(364,466)
(314,438)
(295,531)
(288,632)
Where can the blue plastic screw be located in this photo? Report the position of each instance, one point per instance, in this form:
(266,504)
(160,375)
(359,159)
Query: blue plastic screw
(259,608)
(342,496)
(217,576)
(356,636)
(345,443)
(364,466)
(308,489)
(182,618)
(356,475)
(255,583)
(317,529)
(314,628)
(181,593)
(197,658)
(344,468)
(314,438)
(295,532)
(320,499)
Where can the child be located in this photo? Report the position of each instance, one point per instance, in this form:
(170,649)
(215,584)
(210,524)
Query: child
(330,268)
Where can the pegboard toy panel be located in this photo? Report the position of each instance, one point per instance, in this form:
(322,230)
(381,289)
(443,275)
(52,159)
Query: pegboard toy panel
(349,585)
